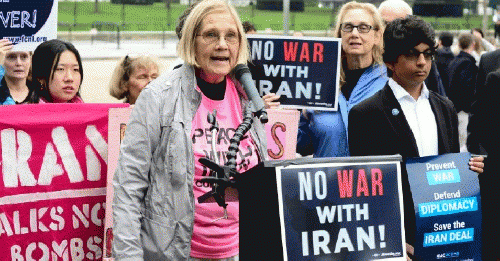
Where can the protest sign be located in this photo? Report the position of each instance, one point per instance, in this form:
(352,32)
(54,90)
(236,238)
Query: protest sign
(118,119)
(281,130)
(448,207)
(53,186)
(341,211)
(28,23)
(303,71)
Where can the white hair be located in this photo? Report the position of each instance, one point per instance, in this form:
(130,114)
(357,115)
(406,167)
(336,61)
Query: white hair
(395,4)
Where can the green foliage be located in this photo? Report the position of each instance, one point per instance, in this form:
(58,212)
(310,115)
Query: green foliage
(157,18)
(136,17)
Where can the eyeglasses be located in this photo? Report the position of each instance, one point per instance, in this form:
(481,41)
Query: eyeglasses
(362,28)
(414,54)
(211,37)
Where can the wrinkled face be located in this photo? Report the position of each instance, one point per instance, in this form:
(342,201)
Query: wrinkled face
(411,69)
(17,64)
(139,78)
(356,42)
(65,79)
(217,45)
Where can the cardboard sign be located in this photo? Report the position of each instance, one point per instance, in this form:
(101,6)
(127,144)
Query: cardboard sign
(281,132)
(447,207)
(304,71)
(53,186)
(341,211)
(118,119)
(28,23)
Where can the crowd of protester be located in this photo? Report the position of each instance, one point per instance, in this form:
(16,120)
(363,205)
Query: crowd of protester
(444,93)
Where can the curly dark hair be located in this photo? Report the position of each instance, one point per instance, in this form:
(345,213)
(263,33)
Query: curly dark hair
(402,35)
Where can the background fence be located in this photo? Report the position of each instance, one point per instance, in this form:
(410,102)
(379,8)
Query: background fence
(156,19)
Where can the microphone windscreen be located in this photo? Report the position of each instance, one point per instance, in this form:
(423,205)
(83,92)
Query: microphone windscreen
(239,70)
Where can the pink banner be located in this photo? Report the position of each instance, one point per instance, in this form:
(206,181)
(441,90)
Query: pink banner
(281,132)
(53,186)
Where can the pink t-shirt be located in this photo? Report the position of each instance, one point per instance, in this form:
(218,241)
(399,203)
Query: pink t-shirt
(219,239)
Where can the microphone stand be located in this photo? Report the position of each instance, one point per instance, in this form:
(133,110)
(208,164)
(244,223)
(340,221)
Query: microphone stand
(226,176)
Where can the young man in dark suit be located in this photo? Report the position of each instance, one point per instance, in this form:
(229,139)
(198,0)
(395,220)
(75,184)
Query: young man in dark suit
(405,117)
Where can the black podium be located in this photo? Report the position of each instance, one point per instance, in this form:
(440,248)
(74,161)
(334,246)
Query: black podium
(260,232)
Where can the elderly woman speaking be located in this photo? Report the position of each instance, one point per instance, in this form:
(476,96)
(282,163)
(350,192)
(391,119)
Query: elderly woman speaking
(158,178)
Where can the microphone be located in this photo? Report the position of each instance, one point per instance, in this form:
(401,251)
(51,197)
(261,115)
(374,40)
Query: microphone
(243,75)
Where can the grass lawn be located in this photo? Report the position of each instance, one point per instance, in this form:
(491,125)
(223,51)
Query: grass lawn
(157,18)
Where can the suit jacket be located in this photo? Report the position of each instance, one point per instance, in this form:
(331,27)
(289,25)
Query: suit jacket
(485,124)
(486,121)
(378,126)
(489,62)
(462,72)
(377,131)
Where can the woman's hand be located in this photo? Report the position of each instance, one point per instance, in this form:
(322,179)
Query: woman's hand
(270,101)
(477,164)
(5,46)
(410,251)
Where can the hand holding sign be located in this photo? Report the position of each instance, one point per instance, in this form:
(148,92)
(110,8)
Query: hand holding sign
(410,251)
(271,101)
(477,164)
(5,46)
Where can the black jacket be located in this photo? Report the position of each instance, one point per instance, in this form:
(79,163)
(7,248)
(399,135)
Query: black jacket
(375,130)
(489,62)
(443,58)
(462,78)
(484,128)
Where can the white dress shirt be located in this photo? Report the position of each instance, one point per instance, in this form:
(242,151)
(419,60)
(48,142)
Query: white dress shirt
(420,117)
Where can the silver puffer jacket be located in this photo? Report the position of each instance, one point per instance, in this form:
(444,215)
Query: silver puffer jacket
(153,205)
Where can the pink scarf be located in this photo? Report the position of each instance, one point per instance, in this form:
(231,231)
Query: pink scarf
(76,99)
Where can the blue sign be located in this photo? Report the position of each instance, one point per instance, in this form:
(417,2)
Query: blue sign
(447,207)
(341,211)
(27,22)
(303,71)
